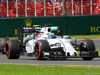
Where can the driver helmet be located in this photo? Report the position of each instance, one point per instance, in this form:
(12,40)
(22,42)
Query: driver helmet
(51,35)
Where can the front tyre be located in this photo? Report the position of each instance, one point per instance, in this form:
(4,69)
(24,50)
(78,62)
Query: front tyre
(87,49)
(12,49)
(87,45)
(87,58)
(40,46)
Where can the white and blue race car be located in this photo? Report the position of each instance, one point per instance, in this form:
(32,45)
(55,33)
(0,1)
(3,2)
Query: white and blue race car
(44,44)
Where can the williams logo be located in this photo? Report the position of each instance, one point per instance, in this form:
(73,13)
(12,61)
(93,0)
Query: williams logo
(28,22)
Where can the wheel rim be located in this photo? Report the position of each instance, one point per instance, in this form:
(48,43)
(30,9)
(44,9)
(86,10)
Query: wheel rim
(83,46)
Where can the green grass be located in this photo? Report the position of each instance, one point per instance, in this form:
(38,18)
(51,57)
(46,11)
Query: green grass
(95,36)
(98,51)
(10,38)
(8,69)
(85,36)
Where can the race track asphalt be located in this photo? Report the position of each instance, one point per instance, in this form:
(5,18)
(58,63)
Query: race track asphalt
(69,61)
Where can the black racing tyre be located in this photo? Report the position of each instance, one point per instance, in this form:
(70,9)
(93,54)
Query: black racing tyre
(40,46)
(87,45)
(12,49)
(87,58)
(3,44)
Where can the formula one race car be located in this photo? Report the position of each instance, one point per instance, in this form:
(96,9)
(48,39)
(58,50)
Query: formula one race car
(44,44)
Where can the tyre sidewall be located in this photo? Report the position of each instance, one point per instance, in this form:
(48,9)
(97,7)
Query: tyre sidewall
(13,49)
(88,45)
(43,46)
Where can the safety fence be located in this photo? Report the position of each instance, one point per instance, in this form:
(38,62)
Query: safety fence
(49,8)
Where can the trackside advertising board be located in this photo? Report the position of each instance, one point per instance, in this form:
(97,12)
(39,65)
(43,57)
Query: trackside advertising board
(71,25)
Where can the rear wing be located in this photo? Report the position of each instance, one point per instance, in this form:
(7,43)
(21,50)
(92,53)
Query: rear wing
(27,30)
(36,29)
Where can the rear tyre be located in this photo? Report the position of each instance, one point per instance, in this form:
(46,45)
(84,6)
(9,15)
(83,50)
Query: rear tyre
(40,46)
(87,46)
(3,45)
(12,49)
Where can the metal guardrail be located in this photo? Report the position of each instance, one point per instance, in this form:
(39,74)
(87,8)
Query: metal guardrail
(49,8)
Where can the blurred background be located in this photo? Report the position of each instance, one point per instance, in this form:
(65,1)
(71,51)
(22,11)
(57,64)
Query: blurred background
(33,8)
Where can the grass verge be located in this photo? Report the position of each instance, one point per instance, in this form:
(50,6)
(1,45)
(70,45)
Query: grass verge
(98,51)
(10,38)
(9,69)
(95,36)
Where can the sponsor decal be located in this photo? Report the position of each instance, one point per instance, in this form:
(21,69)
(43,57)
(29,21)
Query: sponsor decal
(28,23)
(16,31)
(95,29)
